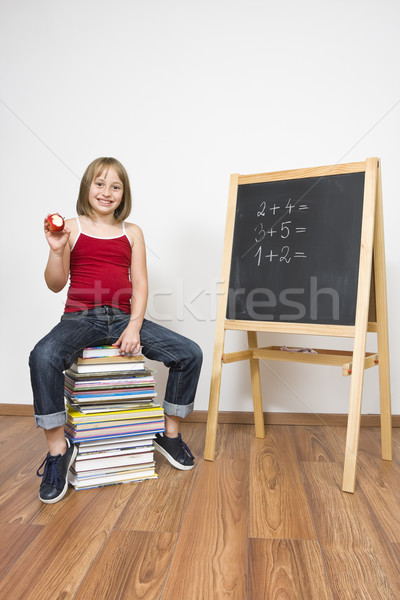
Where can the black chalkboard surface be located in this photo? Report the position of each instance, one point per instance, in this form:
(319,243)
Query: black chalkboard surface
(295,251)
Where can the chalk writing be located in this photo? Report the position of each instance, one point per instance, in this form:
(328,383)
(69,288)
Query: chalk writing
(273,221)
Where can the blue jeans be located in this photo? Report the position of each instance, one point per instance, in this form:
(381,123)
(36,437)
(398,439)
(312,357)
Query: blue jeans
(102,326)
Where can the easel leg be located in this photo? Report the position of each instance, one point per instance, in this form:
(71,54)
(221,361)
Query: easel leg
(212,419)
(353,429)
(382,326)
(361,325)
(256,387)
(386,412)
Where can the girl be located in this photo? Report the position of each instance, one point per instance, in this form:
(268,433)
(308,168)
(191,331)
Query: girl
(105,258)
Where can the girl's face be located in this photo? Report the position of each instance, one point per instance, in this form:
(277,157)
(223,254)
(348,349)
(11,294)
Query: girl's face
(106,192)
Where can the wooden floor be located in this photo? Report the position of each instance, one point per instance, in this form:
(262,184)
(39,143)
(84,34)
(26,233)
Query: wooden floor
(267,519)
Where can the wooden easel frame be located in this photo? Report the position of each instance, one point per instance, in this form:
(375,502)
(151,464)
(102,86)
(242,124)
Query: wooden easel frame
(372,259)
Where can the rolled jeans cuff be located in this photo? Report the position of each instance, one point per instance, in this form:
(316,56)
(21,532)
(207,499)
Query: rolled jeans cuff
(51,421)
(177,410)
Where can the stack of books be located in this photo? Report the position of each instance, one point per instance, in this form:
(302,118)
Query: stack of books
(112,417)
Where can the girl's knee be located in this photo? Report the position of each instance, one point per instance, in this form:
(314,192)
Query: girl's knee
(42,354)
(196,354)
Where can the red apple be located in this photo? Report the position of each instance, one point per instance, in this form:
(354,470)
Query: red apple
(55,222)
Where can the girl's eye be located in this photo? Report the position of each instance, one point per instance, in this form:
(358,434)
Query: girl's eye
(116,187)
(98,183)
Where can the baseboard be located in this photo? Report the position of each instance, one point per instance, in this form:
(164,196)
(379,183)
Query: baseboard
(243,418)
(16,410)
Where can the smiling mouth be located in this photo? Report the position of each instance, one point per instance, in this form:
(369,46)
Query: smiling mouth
(104,202)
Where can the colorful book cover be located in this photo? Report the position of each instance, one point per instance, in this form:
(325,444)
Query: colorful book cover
(113,432)
(100,351)
(151,412)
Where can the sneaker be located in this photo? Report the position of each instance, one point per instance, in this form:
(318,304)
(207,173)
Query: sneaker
(175,451)
(55,470)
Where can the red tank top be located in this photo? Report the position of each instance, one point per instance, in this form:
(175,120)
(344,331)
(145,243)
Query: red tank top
(100,273)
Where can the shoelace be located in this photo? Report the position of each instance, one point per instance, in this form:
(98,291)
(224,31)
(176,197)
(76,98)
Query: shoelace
(185,448)
(51,475)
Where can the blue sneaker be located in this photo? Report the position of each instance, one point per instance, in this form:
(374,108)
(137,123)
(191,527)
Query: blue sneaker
(175,451)
(55,474)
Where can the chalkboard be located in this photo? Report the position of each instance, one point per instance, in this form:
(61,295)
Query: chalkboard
(295,250)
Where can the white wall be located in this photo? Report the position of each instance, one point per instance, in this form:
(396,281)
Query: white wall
(185,93)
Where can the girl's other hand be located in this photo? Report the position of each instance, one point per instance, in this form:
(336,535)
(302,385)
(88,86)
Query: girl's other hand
(56,240)
(129,341)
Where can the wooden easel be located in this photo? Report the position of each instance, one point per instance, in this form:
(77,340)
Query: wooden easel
(372,262)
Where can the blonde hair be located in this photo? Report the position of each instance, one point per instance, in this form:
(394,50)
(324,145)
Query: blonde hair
(96,168)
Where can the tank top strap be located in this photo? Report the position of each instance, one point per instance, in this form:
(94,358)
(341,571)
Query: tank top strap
(79,233)
(125,234)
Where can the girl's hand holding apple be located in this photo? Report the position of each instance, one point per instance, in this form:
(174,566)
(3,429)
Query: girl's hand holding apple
(56,233)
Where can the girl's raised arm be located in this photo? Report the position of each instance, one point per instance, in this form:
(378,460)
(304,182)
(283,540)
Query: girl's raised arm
(57,268)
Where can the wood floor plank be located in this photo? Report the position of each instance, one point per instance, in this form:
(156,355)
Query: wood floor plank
(318,444)
(290,569)
(360,560)
(172,488)
(6,422)
(210,559)
(63,552)
(396,443)
(16,429)
(133,566)
(370,443)
(366,441)
(9,425)
(15,539)
(380,481)
(13,457)
(278,502)
(233,440)
(396,548)
(194,437)
(370,440)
